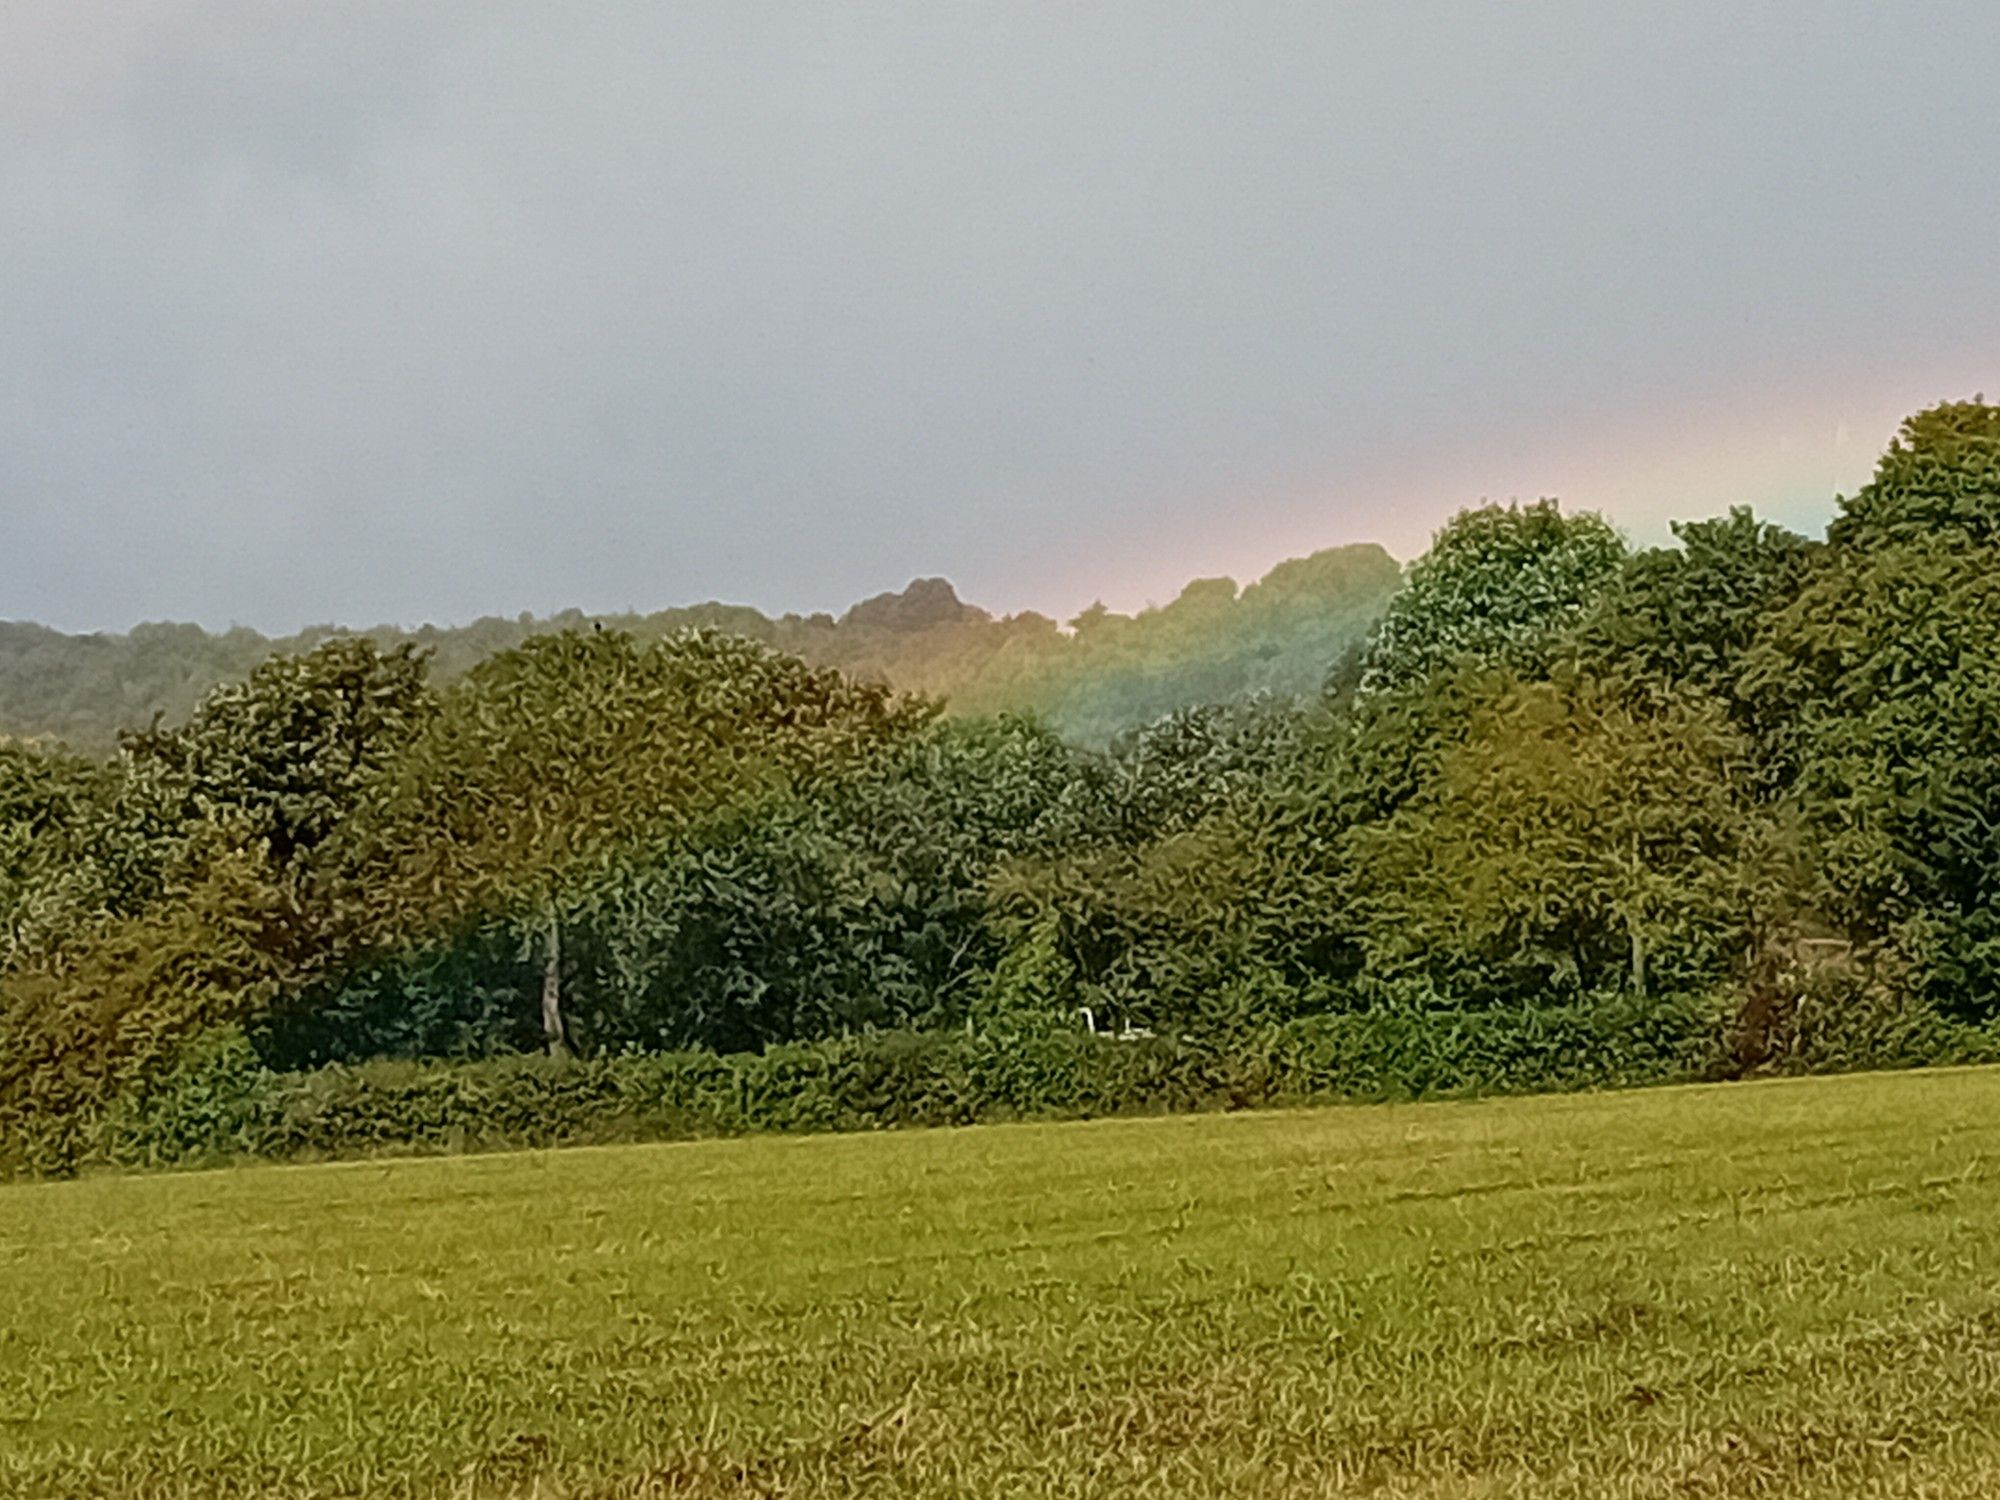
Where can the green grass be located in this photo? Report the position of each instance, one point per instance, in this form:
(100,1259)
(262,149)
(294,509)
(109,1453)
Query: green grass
(1759,1289)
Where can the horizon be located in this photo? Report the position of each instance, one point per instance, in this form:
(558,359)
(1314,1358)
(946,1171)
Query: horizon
(1773,496)
(1806,515)
(394,314)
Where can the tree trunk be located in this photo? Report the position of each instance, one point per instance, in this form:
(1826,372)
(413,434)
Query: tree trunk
(552,1019)
(1635,915)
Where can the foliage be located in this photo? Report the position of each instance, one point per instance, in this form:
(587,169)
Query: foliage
(1213,643)
(1882,674)
(215,1100)
(1569,844)
(95,1022)
(197,902)
(1195,764)
(551,763)
(332,814)
(1183,913)
(1160,938)
(861,904)
(1939,482)
(470,994)
(1558,773)
(1688,615)
(284,758)
(859,900)
(1497,588)
(220,1101)
(52,836)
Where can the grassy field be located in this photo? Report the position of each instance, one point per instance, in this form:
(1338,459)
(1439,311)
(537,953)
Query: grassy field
(1760,1289)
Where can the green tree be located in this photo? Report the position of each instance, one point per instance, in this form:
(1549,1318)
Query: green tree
(52,816)
(201,897)
(553,770)
(1882,679)
(1497,588)
(284,757)
(1190,765)
(1570,843)
(1687,616)
(1885,674)
(1204,902)
(860,902)
(1939,483)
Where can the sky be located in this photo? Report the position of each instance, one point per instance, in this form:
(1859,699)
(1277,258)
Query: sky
(382,312)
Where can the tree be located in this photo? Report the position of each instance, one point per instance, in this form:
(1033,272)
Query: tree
(1189,765)
(1939,483)
(1571,843)
(1882,679)
(1885,677)
(1497,588)
(52,816)
(203,897)
(1205,901)
(552,771)
(284,757)
(861,901)
(1687,616)
(1169,935)
(1494,600)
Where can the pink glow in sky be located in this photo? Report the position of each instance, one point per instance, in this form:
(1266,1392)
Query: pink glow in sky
(392,312)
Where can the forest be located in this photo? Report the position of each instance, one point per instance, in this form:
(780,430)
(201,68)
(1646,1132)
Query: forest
(1106,673)
(1711,808)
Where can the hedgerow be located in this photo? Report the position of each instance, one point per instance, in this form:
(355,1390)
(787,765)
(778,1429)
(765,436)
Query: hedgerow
(223,1104)
(1567,786)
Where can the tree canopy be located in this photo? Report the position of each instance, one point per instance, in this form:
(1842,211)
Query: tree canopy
(1557,769)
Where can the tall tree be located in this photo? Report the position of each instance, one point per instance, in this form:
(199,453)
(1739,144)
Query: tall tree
(1685,617)
(1883,674)
(552,770)
(1569,843)
(1497,588)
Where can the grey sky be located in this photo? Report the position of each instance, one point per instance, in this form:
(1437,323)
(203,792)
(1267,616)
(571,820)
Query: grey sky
(421,311)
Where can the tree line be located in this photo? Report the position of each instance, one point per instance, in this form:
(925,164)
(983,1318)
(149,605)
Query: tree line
(1751,770)
(1106,673)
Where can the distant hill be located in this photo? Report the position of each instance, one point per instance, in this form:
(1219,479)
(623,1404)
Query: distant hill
(1107,672)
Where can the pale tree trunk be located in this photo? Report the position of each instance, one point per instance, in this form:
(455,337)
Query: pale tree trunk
(1635,925)
(552,1018)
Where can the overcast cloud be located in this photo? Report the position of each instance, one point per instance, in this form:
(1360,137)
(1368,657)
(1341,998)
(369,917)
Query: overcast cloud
(409,311)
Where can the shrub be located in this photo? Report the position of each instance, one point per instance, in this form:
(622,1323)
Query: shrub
(220,1102)
(217,1101)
